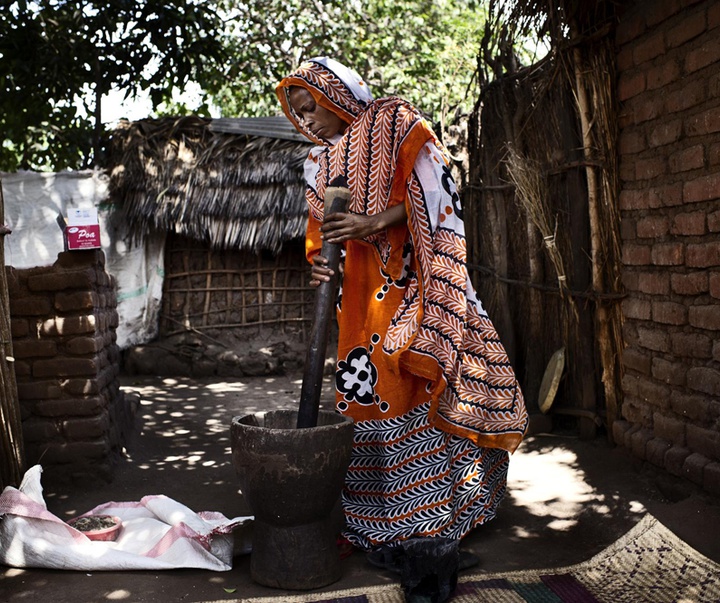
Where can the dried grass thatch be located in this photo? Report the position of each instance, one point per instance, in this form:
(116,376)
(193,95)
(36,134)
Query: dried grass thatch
(227,190)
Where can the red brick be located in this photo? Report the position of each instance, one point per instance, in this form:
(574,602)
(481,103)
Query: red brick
(711,478)
(688,159)
(693,407)
(626,170)
(650,48)
(689,224)
(691,345)
(647,169)
(693,467)
(690,27)
(671,373)
(619,429)
(666,132)
(654,283)
(636,255)
(704,55)
(690,95)
(631,142)
(668,195)
(78,300)
(636,199)
(636,360)
(70,325)
(638,309)
(675,458)
(58,281)
(714,151)
(714,15)
(661,10)
(38,390)
(22,369)
(693,283)
(704,188)
(644,109)
(663,75)
(629,28)
(715,284)
(638,413)
(39,430)
(30,306)
(80,387)
(630,280)
(703,255)
(627,229)
(713,221)
(84,345)
(653,339)
(86,428)
(669,428)
(624,59)
(631,85)
(702,440)
(668,254)
(705,317)
(703,379)
(707,122)
(34,348)
(653,393)
(79,258)
(64,367)
(652,227)
(19,328)
(669,313)
(76,407)
(656,450)
(639,442)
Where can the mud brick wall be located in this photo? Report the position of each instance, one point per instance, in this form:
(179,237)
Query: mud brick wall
(669,146)
(63,317)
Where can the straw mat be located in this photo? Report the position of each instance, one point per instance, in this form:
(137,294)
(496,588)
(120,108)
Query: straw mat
(649,564)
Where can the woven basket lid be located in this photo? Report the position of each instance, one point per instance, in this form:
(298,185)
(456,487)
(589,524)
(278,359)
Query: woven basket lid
(551,380)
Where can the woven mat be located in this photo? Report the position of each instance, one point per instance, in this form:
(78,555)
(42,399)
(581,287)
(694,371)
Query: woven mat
(649,564)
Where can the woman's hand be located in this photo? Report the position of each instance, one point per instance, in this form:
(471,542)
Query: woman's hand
(341,227)
(320,272)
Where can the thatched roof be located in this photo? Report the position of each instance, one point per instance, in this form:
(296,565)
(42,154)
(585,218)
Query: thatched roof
(230,190)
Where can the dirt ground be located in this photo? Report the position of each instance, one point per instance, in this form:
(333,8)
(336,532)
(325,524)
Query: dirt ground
(567,498)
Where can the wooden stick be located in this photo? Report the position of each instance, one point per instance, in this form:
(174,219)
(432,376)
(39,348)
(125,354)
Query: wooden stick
(336,199)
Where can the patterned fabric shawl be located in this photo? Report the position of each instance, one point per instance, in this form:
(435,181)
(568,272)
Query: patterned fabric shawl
(440,330)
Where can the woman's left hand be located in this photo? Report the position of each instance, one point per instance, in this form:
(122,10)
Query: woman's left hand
(341,227)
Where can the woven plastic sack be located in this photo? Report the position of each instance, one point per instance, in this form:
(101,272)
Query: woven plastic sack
(157,533)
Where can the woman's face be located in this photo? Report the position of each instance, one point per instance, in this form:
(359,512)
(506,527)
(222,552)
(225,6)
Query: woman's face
(321,122)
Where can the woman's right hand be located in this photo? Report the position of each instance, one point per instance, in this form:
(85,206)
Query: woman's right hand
(320,272)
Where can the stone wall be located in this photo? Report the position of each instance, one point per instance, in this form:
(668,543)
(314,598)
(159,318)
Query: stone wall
(669,146)
(75,417)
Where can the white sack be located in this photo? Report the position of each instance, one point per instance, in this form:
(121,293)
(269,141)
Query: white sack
(157,533)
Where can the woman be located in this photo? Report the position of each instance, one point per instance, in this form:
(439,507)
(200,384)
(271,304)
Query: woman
(421,370)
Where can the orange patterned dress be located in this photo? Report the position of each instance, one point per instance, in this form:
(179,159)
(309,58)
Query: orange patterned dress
(421,370)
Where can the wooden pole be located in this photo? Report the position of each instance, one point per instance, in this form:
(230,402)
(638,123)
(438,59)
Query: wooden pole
(12,460)
(602,319)
(336,199)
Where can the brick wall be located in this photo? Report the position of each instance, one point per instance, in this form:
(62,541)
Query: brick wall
(669,146)
(63,318)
